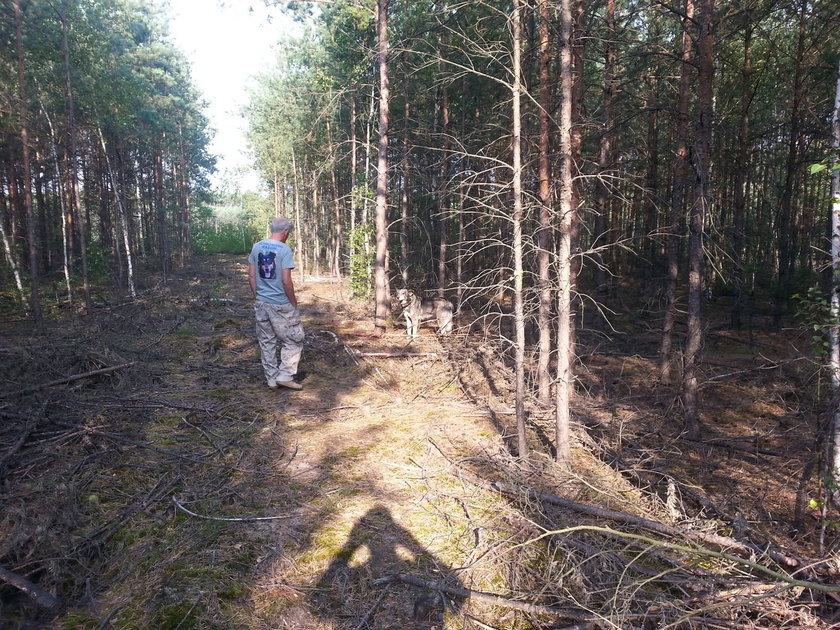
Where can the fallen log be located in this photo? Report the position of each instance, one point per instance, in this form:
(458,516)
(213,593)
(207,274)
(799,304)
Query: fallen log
(38,595)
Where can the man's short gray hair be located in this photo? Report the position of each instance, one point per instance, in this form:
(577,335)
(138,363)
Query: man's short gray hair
(280,224)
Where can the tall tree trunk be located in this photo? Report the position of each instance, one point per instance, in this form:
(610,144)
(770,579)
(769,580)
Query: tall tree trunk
(651,180)
(184,200)
(442,191)
(785,222)
(160,211)
(699,211)
(124,228)
(382,296)
(835,293)
(299,227)
(739,206)
(444,210)
(567,209)
(404,198)
(337,220)
(354,160)
(518,302)
(66,247)
(366,201)
(605,157)
(546,209)
(23,114)
(11,260)
(679,175)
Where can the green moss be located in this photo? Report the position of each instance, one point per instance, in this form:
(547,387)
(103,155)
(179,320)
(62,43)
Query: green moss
(183,615)
(233,591)
(75,619)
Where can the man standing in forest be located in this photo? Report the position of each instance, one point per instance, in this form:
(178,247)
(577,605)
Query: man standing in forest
(278,319)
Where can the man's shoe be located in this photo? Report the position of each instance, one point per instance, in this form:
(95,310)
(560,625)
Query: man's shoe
(290,385)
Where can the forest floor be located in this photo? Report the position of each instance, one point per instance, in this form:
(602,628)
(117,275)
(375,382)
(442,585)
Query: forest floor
(175,490)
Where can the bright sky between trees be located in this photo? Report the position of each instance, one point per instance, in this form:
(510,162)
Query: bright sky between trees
(227,42)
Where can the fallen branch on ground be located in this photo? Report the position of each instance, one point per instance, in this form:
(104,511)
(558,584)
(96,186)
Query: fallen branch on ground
(240,519)
(726,542)
(38,595)
(68,379)
(397,355)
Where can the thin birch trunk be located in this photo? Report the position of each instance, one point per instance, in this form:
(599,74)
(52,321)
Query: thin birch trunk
(835,293)
(65,240)
(10,256)
(518,303)
(122,214)
(566,206)
(354,159)
(337,219)
(544,233)
(404,209)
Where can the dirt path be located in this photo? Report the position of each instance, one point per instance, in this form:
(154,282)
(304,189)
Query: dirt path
(376,494)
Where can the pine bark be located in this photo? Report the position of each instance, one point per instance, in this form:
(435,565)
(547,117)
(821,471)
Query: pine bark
(698,214)
(26,189)
(739,205)
(679,184)
(605,157)
(381,293)
(785,224)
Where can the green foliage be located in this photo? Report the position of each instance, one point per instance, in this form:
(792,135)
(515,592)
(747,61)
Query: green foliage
(361,261)
(232,225)
(814,315)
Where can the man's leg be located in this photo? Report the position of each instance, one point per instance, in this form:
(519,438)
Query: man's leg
(268,343)
(285,319)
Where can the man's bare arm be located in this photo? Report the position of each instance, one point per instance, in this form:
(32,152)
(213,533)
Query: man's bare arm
(289,286)
(252,279)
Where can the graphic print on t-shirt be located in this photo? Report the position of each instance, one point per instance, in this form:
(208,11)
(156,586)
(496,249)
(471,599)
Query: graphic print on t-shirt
(268,268)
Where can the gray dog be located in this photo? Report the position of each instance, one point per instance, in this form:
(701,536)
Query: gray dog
(417,310)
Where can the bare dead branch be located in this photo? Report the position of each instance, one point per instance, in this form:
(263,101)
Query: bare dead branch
(239,519)
(38,595)
(68,379)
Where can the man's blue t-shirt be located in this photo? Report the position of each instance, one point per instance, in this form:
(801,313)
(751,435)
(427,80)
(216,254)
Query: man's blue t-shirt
(270,257)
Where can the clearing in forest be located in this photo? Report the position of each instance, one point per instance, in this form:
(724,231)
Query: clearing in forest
(178,491)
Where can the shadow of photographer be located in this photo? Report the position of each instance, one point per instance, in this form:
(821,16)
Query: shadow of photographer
(357,590)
